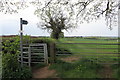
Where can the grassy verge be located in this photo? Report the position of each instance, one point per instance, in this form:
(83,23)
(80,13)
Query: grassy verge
(81,69)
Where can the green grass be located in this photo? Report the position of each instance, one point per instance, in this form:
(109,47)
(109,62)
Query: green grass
(89,63)
(81,69)
(116,70)
(83,40)
(83,49)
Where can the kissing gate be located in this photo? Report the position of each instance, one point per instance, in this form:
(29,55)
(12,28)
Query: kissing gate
(34,53)
(31,53)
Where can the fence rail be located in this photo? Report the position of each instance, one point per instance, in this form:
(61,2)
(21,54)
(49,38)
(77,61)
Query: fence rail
(84,55)
(92,43)
(91,52)
(112,52)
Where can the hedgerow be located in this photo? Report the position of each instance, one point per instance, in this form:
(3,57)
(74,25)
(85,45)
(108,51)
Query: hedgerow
(11,68)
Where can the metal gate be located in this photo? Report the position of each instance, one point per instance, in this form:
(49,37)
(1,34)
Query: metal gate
(34,53)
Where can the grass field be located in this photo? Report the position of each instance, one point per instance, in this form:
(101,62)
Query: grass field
(105,48)
(95,60)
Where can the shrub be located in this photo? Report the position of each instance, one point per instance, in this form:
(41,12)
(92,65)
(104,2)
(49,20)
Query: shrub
(12,69)
(10,49)
(61,35)
(10,66)
(42,40)
(10,46)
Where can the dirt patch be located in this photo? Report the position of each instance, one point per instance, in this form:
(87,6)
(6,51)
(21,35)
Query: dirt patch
(70,59)
(44,73)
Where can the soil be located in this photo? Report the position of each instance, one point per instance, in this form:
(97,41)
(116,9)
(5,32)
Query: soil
(70,59)
(44,73)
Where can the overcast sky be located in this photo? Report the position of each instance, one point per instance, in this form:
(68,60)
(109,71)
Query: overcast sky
(9,25)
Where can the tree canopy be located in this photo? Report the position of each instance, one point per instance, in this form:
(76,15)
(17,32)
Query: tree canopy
(82,10)
(73,12)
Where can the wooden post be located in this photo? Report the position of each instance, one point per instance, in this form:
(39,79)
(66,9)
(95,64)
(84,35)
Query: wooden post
(29,56)
(52,52)
(45,53)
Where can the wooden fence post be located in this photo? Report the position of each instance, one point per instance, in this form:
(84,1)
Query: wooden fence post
(45,53)
(29,56)
(52,52)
